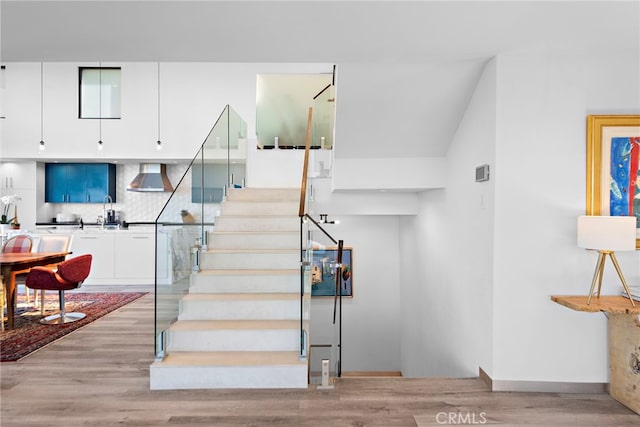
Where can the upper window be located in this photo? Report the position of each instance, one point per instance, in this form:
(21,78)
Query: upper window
(99,93)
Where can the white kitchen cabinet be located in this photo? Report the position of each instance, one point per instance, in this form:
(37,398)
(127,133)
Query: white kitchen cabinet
(135,256)
(19,178)
(101,245)
(122,257)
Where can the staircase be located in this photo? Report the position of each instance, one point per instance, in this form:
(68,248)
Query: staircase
(239,324)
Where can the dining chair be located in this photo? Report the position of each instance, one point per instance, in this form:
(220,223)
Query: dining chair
(15,244)
(47,243)
(71,273)
(2,298)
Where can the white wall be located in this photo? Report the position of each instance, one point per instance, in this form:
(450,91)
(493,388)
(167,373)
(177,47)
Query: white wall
(372,318)
(447,255)
(540,190)
(273,168)
(486,257)
(192,96)
(407,174)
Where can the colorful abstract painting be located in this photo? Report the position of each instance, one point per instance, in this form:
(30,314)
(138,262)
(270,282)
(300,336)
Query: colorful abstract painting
(323,272)
(624,197)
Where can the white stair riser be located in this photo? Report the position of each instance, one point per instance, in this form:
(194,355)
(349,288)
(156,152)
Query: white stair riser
(235,340)
(274,223)
(218,377)
(207,309)
(283,240)
(264,194)
(249,260)
(258,208)
(203,283)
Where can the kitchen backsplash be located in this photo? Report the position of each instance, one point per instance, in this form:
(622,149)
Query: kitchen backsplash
(136,206)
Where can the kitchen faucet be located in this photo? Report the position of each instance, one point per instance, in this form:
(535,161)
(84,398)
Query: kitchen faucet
(105,215)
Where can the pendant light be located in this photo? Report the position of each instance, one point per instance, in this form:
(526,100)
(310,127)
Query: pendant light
(41,145)
(100,144)
(158,142)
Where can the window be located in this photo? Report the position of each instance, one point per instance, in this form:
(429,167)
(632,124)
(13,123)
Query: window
(99,93)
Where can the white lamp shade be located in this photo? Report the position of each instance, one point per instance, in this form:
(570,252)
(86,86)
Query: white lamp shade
(612,233)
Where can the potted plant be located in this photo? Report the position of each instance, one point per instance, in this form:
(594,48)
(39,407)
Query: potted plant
(5,221)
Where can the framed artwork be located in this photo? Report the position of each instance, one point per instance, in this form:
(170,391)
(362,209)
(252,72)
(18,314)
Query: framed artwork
(613,166)
(323,272)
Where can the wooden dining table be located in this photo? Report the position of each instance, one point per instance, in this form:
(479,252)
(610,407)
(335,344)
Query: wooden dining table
(22,261)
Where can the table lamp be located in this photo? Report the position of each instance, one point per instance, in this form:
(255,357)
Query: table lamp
(607,234)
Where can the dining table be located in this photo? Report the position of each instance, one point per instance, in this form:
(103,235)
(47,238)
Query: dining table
(12,263)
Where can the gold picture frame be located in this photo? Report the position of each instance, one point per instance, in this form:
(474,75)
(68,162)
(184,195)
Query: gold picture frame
(600,131)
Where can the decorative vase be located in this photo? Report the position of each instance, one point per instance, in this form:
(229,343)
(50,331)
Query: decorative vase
(4,228)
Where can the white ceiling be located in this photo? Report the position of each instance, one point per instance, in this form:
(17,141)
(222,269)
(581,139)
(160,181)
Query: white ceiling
(308,31)
(437,48)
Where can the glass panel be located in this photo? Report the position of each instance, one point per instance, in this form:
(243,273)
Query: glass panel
(323,119)
(99,93)
(190,213)
(324,309)
(283,102)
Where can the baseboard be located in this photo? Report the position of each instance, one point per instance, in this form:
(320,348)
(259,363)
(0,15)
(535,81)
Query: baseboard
(353,374)
(542,386)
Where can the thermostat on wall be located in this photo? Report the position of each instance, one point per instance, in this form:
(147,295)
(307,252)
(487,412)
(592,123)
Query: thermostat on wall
(482,173)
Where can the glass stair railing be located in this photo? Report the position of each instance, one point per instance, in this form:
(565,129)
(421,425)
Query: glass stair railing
(189,218)
(190,213)
(322,269)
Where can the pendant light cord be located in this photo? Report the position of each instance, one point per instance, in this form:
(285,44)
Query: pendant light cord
(100,101)
(158,102)
(41,102)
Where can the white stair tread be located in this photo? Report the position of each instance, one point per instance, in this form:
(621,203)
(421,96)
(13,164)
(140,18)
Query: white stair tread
(254,233)
(266,194)
(253,251)
(239,297)
(243,272)
(194,325)
(232,358)
(268,206)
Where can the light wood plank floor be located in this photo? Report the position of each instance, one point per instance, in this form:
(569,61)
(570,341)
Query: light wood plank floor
(99,376)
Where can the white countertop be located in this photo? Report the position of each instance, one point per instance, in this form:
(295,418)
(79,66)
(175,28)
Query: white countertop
(91,229)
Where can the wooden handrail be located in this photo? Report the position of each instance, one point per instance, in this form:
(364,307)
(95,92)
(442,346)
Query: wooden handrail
(305,167)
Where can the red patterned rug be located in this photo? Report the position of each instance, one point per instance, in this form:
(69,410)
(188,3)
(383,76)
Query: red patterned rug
(28,334)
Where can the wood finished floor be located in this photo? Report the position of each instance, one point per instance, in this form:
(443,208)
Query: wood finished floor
(99,376)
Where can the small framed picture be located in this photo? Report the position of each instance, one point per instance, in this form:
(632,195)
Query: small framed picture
(323,272)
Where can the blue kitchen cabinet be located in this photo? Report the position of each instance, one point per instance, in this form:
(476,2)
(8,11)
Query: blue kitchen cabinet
(79,182)
(55,183)
(100,182)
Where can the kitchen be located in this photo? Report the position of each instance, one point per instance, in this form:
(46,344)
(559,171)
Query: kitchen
(120,234)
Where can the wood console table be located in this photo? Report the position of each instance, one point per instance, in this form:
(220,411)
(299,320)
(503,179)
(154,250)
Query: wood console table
(624,343)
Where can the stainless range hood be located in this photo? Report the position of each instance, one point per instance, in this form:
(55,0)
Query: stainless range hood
(152,177)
